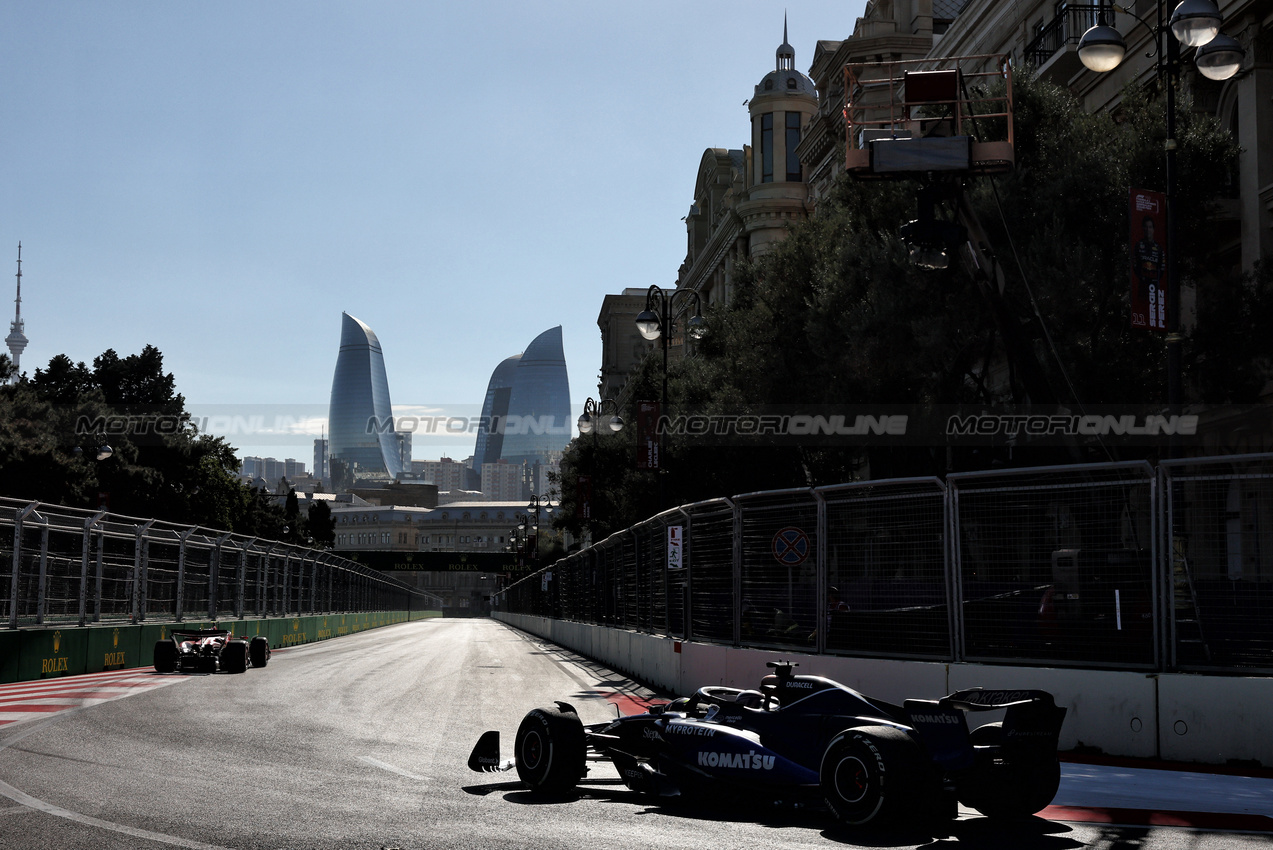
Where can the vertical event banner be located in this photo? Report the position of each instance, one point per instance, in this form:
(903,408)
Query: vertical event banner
(675,547)
(648,413)
(1148,251)
(583,496)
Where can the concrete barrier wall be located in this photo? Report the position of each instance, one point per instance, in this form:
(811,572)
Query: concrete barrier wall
(1213,719)
(1206,719)
(28,654)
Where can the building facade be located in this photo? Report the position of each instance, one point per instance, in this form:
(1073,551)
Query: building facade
(321,471)
(744,202)
(446,473)
(359,397)
(526,414)
(475,544)
(622,347)
(490,436)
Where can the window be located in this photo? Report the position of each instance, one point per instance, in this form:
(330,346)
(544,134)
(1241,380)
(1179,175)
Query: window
(767,148)
(793,139)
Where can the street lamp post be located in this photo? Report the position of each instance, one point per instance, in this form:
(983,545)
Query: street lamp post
(589,423)
(537,504)
(658,321)
(1194,23)
(593,411)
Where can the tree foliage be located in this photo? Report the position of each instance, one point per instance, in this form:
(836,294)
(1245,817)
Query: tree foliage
(52,424)
(837,315)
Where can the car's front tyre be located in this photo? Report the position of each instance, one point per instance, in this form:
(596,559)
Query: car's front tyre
(550,750)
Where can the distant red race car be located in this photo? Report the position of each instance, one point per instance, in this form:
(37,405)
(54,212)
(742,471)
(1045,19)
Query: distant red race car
(209,651)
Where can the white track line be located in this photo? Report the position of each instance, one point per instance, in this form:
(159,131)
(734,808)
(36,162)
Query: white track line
(24,799)
(48,808)
(377,763)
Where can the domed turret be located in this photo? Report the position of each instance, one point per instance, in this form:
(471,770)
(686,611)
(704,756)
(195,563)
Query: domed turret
(784,102)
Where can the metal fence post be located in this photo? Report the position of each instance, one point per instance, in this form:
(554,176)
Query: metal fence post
(287,582)
(88,536)
(1157,578)
(313,586)
(214,576)
(179,602)
(101,566)
(300,584)
(687,561)
(41,595)
(1168,568)
(243,571)
(141,552)
(820,592)
(954,571)
(264,569)
(18,519)
(737,512)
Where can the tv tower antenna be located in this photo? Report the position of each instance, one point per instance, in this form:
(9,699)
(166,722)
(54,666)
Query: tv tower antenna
(17,340)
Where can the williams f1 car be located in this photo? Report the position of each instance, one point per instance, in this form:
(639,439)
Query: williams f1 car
(209,650)
(807,737)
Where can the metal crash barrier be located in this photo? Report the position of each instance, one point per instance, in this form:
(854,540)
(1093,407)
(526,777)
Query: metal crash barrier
(1117,565)
(65,566)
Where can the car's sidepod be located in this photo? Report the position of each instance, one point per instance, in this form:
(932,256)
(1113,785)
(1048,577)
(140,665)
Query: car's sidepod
(728,753)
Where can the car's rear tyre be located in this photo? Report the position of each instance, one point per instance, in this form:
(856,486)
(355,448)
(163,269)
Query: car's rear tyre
(259,651)
(1009,791)
(871,775)
(550,750)
(234,656)
(165,656)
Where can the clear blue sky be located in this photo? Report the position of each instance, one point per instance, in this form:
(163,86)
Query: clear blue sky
(222,179)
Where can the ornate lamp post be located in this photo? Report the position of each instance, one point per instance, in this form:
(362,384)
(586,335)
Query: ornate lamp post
(1194,23)
(537,504)
(589,423)
(593,411)
(658,321)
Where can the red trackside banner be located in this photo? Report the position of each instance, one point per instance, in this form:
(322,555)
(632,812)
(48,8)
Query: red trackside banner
(1149,259)
(648,413)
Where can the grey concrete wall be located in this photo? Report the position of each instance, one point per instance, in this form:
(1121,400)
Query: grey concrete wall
(1178,717)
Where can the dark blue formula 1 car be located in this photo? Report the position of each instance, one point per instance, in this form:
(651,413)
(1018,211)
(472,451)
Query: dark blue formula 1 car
(807,737)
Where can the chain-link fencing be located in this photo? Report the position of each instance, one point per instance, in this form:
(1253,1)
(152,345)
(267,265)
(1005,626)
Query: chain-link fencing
(63,565)
(1116,565)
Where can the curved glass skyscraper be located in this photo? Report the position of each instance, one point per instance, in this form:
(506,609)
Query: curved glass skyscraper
(360,420)
(527,405)
(495,411)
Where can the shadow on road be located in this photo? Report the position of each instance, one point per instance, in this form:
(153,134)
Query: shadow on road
(970,833)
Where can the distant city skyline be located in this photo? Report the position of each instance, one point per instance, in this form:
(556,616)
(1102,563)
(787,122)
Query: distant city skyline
(221,182)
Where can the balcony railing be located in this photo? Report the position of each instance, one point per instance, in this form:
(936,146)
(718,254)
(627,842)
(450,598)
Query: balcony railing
(1066,28)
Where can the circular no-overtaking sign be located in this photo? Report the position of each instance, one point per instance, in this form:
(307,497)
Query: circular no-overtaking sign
(791,546)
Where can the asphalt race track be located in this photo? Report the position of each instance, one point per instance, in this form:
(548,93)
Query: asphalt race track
(360,743)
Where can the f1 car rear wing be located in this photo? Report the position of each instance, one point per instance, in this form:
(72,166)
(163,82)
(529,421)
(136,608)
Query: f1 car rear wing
(977,699)
(1031,724)
(199,634)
